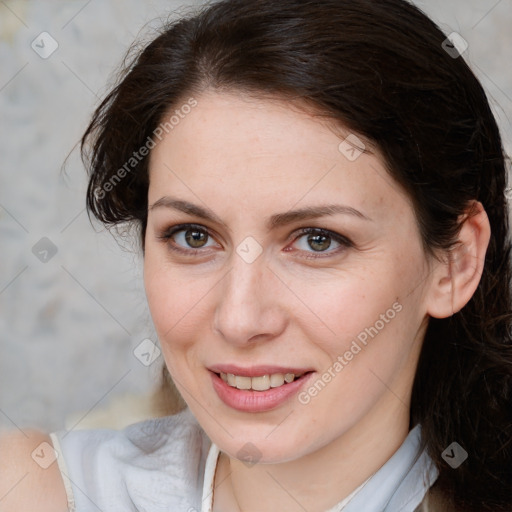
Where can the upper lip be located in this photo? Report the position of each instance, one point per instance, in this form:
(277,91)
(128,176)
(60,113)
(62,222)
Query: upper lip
(257,371)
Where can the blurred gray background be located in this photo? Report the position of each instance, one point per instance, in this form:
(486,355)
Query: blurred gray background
(72,304)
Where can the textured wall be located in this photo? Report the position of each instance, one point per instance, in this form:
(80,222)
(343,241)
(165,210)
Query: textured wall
(71,319)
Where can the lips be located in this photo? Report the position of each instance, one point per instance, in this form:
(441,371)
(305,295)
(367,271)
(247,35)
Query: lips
(252,401)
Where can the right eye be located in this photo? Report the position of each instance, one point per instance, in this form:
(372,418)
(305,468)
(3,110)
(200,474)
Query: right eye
(187,239)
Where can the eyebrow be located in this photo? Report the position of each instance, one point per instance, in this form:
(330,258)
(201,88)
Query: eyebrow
(277,220)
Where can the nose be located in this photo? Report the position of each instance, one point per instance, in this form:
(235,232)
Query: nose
(249,304)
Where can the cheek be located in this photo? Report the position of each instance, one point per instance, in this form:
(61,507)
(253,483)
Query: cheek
(370,314)
(336,307)
(176,300)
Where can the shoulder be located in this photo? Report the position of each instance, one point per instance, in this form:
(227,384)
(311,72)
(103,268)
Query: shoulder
(29,477)
(150,465)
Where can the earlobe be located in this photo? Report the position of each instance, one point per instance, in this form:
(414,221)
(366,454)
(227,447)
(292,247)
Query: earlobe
(456,279)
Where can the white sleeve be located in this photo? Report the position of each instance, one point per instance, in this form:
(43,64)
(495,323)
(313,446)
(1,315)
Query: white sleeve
(61,461)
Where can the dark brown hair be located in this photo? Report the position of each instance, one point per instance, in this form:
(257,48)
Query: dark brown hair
(379,68)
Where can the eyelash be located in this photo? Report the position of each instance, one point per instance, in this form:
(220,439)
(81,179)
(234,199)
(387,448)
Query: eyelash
(344,242)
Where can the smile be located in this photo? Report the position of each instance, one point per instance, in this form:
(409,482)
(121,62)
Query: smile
(262,383)
(259,393)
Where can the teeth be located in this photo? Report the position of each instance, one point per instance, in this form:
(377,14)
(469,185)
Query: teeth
(243,382)
(276,380)
(262,383)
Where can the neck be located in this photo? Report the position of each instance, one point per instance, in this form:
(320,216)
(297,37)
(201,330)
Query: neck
(320,479)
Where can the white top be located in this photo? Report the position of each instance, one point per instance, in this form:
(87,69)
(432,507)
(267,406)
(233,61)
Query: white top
(168,465)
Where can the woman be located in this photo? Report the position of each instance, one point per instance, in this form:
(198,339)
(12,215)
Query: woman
(319,191)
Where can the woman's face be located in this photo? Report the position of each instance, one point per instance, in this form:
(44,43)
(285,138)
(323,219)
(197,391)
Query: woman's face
(240,288)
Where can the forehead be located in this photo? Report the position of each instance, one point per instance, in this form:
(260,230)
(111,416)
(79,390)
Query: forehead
(232,149)
(237,126)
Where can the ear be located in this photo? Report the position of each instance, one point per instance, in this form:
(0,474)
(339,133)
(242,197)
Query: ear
(456,278)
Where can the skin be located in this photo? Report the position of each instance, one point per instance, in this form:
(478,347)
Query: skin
(246,159)
(24,484)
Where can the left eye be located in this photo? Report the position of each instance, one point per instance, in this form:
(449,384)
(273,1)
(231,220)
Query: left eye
(320,240)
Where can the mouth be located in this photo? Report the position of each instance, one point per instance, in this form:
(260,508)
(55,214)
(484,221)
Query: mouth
(259,383)
(257,393)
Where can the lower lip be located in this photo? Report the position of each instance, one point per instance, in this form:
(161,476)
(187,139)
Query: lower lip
(256,401)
